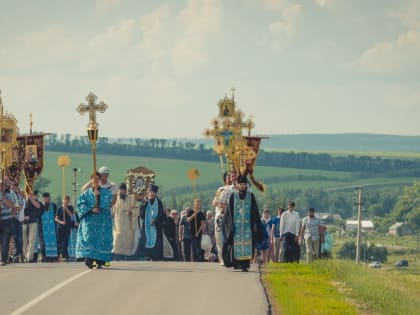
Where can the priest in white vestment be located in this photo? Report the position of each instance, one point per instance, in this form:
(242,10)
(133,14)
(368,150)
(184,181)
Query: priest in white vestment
(125,214)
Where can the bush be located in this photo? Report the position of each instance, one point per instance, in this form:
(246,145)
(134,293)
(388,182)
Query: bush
(372,252)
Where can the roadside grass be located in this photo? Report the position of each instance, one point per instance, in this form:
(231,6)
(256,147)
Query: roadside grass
(342,287)
(377,291)
(301,289)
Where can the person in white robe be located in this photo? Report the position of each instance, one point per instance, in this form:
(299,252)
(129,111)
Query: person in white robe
(125,215)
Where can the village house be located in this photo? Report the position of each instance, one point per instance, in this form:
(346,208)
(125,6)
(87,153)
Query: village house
(399,229)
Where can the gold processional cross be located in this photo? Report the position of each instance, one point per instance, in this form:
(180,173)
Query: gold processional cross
(92,108)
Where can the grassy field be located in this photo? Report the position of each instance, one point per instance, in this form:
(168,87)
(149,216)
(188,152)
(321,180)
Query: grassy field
(341,287)
(171,175)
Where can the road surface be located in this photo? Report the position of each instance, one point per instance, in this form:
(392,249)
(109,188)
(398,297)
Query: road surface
(130,288)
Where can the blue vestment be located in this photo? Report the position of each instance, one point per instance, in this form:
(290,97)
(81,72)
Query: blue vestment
(241,228)
(242,238)
(151,235)
(94,235)
(49,235)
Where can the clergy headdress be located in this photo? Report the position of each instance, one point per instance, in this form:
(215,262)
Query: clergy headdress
(123,186)
(153,188)
(103,170)
(242,179)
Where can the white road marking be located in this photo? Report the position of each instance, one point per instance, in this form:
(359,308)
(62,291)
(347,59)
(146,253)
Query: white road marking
(46,294)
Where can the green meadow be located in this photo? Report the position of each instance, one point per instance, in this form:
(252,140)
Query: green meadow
(171,175)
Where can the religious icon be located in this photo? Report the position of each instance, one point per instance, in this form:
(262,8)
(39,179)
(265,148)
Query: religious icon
(226,107)
(226,111)
(6,135)
(139,184)
(138,180)
(31,154)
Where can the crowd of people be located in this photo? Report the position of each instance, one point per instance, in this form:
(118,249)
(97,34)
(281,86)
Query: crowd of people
(111,225)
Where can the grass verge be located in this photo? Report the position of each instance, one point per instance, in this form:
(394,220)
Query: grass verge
(341,287)
(301,289)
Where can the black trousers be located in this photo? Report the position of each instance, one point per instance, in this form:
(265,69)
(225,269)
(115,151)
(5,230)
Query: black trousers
(187,249)
(291,248)
(198,253)
(63,234)
(7,231)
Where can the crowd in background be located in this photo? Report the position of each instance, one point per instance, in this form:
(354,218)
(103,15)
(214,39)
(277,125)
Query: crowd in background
(35,230)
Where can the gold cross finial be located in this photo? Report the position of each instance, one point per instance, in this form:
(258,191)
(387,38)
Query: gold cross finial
(92,107)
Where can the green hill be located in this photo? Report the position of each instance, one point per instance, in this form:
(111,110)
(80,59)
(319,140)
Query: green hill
(351,142)
(171,175)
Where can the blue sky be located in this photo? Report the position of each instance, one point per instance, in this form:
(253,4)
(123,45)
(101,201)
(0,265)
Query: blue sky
(312,66)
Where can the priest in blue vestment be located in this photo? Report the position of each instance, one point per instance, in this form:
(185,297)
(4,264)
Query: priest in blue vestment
(47,230)
(94,235)
(241,227)
(151,233)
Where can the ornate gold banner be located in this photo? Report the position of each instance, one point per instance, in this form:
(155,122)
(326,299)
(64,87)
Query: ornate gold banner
(138,180)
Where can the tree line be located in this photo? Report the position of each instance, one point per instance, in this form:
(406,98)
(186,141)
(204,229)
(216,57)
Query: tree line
(189,150)
(384,205)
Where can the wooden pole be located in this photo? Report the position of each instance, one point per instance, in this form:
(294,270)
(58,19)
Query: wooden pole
(359,223)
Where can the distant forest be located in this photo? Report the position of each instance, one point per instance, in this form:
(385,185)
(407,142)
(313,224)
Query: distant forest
(350,142)
(190,150)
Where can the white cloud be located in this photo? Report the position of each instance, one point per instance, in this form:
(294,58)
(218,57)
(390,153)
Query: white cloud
(107,5)
(51,45)
(409,15)
(283,27)
(116,36)
(323,3)
(156,32)
(401,53)
(112,48)
(198,21)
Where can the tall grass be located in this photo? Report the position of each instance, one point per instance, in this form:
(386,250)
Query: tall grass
(300,289)
(342,287)
(378,291)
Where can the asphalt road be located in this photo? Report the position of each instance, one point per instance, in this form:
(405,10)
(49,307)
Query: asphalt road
(130,288)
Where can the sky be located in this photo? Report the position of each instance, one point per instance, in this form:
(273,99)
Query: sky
(309,66)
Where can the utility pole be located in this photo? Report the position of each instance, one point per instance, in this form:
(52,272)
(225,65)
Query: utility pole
(75,170)
(359,205)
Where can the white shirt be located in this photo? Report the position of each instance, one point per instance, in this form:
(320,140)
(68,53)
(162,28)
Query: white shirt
(110,186)
(227,192)
(217,200)
(21,213)
(289,223)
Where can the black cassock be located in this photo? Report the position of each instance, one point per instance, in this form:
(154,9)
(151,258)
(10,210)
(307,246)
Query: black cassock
(228,229)
(156,252)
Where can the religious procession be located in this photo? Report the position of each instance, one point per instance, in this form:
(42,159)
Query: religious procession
(125,219)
